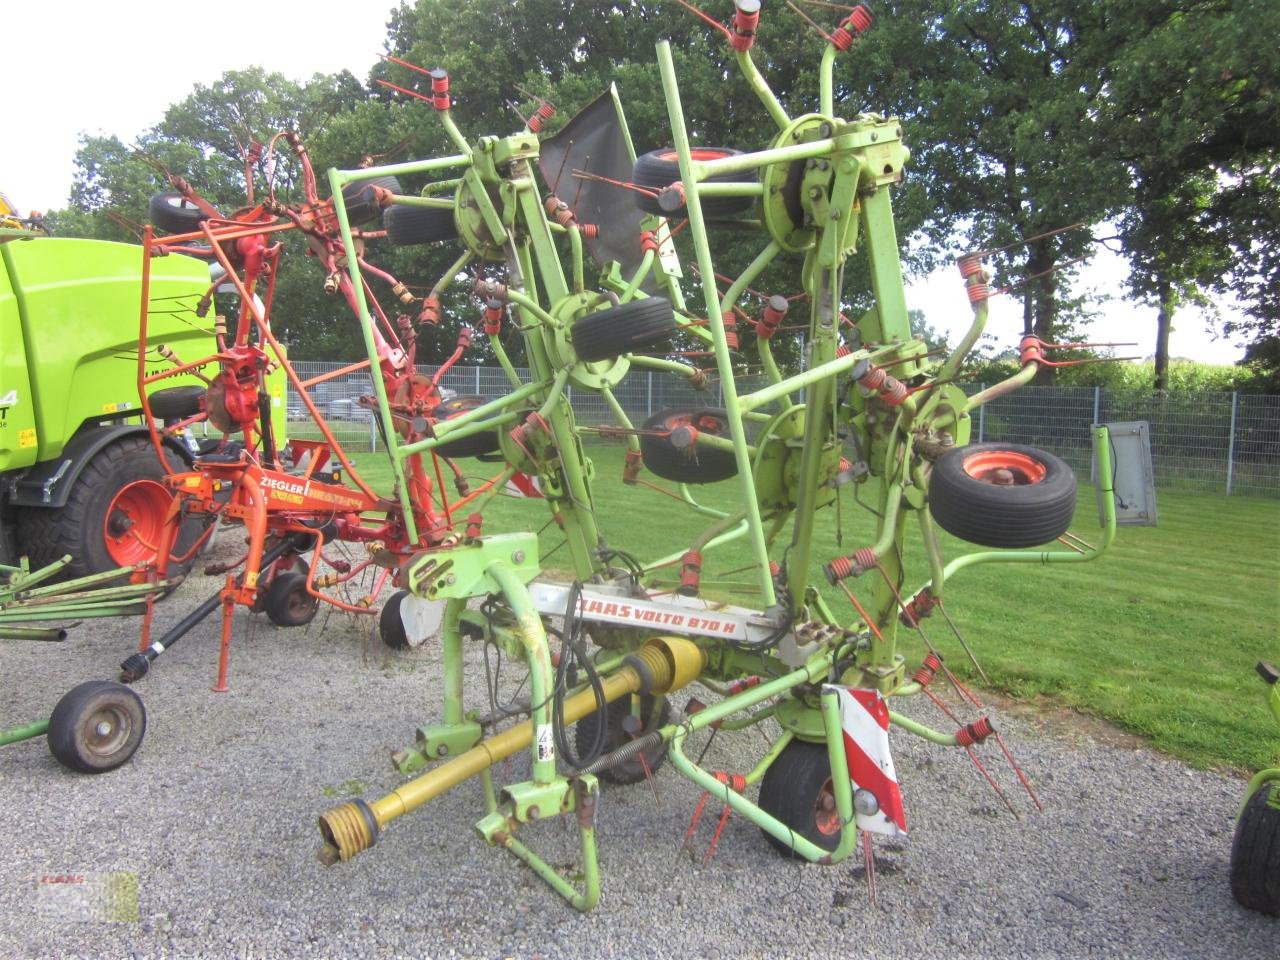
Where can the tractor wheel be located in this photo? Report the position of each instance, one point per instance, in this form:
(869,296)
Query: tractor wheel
(113,516)
(173,213)
(665,454)
(472,446)
(409,225)
(1002,495)
(797,791)
(623,329)
(655,712)
(287,602)
(1255,854)
(361,202)
(176,403)
(390,626)
(96,726)
(660,168)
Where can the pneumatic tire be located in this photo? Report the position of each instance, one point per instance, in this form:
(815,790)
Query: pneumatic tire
(1002,495)
(96,726)
(1255,854)
(696,463)
(173,213)
(623,329)
(797,790)
(408,225)
(361,201)
(113,514)
(658,169)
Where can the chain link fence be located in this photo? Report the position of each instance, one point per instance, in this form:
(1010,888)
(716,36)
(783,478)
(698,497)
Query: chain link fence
(1207,442)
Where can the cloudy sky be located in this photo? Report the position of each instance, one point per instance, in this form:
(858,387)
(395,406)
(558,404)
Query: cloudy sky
(113,68)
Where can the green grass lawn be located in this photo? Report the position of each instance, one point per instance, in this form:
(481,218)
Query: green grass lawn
(1159,635)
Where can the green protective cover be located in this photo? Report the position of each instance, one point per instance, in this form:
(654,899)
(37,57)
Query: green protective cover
(69,320)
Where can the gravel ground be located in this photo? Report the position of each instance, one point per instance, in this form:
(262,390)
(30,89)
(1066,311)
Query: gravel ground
(216,816)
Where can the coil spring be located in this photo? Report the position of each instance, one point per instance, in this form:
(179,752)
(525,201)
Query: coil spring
(540,116)
(974,732)
(970,266)
(731,330)
(493,318)
(430,312)
(978,292)
(743,35)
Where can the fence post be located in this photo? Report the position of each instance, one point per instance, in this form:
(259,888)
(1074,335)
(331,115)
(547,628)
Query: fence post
(648,400)
(1097,415)
(982,416)
(373,432)
(477,369)
(1231,440)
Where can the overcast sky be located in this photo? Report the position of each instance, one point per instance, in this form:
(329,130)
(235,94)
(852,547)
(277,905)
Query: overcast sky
(75,66)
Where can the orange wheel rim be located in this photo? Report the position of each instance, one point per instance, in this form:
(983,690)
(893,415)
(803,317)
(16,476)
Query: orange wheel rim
(825,815)
(1005,468)
(134,522)
(698,154)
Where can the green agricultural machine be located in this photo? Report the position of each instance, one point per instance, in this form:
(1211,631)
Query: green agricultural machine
(871,410)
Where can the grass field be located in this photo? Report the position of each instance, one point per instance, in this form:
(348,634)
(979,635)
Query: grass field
(1160,635)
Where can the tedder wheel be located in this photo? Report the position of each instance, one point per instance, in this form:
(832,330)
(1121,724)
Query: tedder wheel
(1255,854)
(622,329)
(408,225)
(667,452)
(176,403)
(113,516)
(390,626)
(473,446)
(286,602)
(655,712)
(660,168)
(1002,495)
(361,202)
(96,726)
(174,213)
(797,791)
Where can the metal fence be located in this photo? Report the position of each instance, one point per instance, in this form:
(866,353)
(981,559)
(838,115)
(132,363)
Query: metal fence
(1209,442)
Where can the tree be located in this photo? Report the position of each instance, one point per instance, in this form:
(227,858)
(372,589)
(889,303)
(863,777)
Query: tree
(1193,112)
(999,100)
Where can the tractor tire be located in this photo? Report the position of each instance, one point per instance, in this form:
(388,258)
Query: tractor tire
(96,726)
(472,446)
(176,403)
(286,601)
(660,168)
(1255,854)
(173,213)
(623,329)
(407,225)
(1002,495)
(390,626)
(655,712)
(112,517)
(797,791)
(686,464)
(360,201)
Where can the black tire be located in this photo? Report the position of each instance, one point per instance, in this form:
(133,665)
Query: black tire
(796,790)
(390,626)
(173,213)
(286,601)
(96,520)
(360,201)
(472,446)
(622,329)
(659,168)
(409,225)
(666,458)
(1002,495)
(96,726)
(1255,854)
(176,403)
(655,712)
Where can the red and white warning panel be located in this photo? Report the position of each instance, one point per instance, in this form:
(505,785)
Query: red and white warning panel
(864,718)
